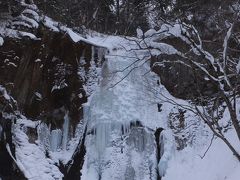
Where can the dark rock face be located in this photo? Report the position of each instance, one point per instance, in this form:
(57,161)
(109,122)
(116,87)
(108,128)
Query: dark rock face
(158,149)
(182,81)
(72,169)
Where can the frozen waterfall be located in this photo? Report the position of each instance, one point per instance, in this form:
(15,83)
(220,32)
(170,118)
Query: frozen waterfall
(121,117)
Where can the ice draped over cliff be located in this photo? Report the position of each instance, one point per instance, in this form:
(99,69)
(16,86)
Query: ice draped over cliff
(121,118)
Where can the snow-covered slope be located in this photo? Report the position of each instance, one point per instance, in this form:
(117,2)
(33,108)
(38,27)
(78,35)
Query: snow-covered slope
(218,163)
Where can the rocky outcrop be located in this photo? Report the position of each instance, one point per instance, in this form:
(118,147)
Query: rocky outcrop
(186,82)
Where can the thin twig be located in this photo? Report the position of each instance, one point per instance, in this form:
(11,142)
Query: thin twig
(207,147)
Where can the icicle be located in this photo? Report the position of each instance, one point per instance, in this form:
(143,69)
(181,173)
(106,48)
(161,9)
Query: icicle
(125,128)
(86,113)
(65,131)
(102,137)
(101,54)
(55,140)
(43,136)
(93,53)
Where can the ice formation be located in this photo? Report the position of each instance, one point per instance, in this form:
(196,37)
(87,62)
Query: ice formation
(167,150)
(120,140)
(65,131)
(56,139)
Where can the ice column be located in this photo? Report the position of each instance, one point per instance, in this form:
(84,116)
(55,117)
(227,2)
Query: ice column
(102,136)
(65,131)
(166,152)
(55,140)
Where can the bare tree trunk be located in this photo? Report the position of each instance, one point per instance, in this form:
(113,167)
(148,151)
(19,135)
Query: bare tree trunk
(218,134)
(235,153)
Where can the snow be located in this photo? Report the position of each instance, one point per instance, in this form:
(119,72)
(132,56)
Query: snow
(53,25)
(78,37)
(20,23)
(150,33)
(39,96)
(61,86)
(4,93)
(28,123)
(8,32)
(33,23)
(33,13)
(74,36)
(11,64)
(29,157)
(29,6)
(92,75)
(38,60)
(218,164)
(139,33)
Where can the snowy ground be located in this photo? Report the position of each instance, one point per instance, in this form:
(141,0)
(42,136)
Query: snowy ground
(218,163)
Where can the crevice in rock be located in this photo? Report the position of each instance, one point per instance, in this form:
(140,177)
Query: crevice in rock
(72,171)
(157,139)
